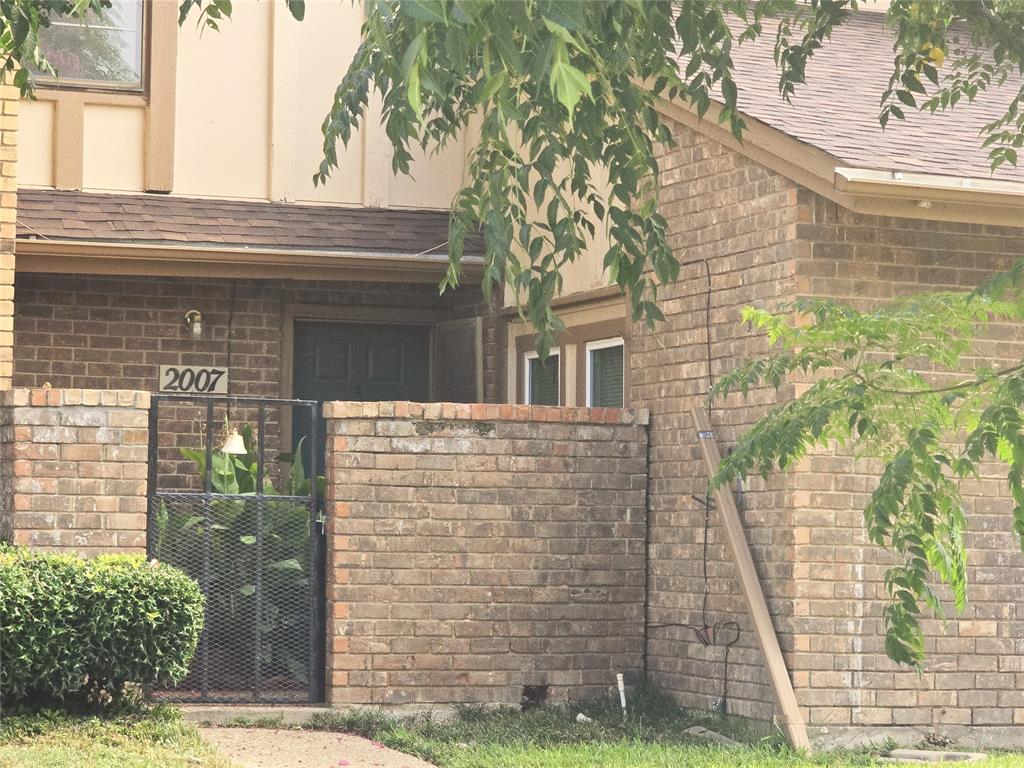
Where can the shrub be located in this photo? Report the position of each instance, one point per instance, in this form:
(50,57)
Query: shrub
(77,631)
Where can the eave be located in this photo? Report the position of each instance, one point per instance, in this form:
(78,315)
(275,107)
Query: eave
(864,190)
(114,258)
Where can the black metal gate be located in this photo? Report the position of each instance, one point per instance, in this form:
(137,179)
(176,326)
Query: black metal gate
(249,531)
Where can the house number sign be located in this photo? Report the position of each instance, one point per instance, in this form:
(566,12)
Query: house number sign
(194,379)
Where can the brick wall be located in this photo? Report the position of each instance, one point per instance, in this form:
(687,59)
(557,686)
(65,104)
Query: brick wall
(768,241)
(478,549)
(101,332)
(73,469)
(9,100)
(741,218)
(974,671)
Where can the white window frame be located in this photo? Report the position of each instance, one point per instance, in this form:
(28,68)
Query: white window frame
(617,341)
(532,355)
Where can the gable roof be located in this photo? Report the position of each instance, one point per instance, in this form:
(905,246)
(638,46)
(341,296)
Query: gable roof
(47,214)
(836,110)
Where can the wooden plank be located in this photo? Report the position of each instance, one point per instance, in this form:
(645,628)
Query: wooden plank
(778,676)
(163,57)
(69,142)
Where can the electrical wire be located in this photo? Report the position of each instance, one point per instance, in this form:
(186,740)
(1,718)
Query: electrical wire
(708,634)
(231,333)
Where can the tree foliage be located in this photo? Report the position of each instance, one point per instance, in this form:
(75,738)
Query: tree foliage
(907,385)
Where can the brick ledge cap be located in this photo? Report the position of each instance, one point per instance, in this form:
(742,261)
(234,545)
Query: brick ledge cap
(403,409)
(55,398)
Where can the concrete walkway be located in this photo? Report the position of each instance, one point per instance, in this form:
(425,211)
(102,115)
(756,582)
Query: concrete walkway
(270,748)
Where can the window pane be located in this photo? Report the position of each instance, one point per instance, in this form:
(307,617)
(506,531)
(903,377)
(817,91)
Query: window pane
(606,377)
(544,381)
(105,47)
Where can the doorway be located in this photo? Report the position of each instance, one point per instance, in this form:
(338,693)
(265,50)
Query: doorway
(357,361)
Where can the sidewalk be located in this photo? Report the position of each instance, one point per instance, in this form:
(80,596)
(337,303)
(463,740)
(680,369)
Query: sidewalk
(269,748)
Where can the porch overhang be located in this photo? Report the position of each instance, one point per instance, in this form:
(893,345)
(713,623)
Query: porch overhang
(77,232)
(197,260)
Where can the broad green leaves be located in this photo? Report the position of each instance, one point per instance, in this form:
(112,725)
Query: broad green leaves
(867,393)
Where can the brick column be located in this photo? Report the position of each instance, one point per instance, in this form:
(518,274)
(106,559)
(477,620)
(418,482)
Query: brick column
(9,100)
(477,549)
(73,469)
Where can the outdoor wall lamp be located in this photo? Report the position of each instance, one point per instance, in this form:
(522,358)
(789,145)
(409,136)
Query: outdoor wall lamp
(194,321)
(234,444)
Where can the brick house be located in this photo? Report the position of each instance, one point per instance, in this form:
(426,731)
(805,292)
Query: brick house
(497,522)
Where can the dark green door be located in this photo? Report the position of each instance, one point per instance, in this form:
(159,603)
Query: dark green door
(345,361)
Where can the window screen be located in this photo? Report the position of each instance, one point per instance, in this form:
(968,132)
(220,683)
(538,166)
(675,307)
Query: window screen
(543,381)
(104,48)
(606,377)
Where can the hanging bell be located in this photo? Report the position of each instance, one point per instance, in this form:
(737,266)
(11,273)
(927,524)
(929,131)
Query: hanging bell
(234,444)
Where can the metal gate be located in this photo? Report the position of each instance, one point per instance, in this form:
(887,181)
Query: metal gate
(249,531)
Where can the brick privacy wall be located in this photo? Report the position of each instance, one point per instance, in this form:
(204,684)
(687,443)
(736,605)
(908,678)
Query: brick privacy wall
(115,332)
(742,218)
(474,550)
(9,101)
(73,469)
(974,672)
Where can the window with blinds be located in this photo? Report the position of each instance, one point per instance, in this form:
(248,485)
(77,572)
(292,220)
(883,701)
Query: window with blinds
(542,379)
(605,374)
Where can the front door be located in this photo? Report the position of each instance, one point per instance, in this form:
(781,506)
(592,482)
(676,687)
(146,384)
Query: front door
(346,361)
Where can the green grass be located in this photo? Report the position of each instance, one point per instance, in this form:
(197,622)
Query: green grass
(651,736)
(155,739)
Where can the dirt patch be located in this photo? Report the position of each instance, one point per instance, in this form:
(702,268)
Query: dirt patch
(270,748)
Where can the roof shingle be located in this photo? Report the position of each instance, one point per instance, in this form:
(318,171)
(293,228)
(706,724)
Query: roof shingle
(63,215)
(836,110)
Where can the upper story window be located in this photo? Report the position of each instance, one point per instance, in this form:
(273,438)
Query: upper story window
(103,50)
(605,373)
(542,378)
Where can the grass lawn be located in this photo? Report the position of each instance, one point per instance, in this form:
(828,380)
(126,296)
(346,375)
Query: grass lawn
(158,739)
(650,737)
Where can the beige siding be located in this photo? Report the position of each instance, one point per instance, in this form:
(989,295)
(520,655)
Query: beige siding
(113,138)
(223,106)
(248,104)
(36,136)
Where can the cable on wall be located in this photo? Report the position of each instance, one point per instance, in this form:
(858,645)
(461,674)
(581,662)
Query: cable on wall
(725,633)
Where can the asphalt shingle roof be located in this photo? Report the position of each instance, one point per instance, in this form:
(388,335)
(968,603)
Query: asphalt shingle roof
(169,220)
(836,110)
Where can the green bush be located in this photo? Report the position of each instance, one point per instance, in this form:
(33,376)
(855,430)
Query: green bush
(79,632)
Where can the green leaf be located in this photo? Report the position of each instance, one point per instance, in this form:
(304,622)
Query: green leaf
(425,10)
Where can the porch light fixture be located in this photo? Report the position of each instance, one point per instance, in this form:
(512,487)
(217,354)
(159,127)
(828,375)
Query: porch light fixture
(194,321)
(234,444)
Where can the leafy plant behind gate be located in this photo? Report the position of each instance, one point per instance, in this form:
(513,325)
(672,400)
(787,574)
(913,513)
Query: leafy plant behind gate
(280,551)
